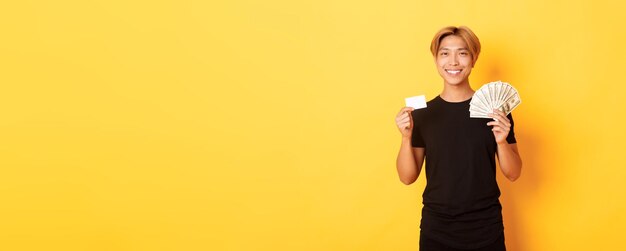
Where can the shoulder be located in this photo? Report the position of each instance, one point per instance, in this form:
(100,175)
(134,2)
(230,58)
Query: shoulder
(436,101)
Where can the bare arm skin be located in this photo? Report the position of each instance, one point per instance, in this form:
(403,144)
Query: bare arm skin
(508,154)
(410,159)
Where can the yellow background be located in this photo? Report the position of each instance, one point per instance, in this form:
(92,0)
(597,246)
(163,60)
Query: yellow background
(269,125)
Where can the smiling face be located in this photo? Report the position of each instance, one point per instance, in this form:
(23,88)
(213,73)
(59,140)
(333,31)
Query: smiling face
(454,60)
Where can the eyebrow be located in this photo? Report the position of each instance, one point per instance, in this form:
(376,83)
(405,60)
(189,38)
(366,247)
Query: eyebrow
(461,49)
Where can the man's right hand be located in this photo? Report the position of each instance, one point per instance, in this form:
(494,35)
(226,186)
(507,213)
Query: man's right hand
(404,121)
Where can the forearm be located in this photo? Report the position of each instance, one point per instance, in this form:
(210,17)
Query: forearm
(407,166)
(510,161)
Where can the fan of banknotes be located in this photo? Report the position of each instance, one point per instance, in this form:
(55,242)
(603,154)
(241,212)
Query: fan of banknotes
(495,95)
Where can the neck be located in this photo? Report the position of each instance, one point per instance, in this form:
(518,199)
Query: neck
(457,93)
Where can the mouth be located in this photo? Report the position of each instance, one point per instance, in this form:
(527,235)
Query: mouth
(453,72)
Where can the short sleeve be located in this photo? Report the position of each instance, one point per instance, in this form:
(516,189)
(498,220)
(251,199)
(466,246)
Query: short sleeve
(511,138)
(416,136)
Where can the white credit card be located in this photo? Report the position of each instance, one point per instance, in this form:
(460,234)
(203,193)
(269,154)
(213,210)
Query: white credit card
(417,102)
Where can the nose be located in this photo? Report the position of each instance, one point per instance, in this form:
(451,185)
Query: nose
(454,60)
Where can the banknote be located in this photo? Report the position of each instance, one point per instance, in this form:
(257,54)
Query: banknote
(495,95)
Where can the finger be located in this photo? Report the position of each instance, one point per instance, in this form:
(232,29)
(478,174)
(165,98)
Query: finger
(403,117)
(499,124)
(504,123)
(501,115)
(406,120)
(501,129)
(498,117)
(405,125)
(406,109)
(493,116)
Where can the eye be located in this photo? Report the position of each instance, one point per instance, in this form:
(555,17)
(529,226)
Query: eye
(464,53)
(443,53)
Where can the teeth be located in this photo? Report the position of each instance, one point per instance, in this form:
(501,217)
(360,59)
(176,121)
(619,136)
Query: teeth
(453,71)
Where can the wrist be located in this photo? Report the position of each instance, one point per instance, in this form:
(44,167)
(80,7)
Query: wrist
(406,139)
(503,144)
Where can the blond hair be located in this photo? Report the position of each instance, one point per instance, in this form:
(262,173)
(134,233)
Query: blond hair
(464,33)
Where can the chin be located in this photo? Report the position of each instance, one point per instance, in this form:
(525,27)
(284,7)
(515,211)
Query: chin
(454,81)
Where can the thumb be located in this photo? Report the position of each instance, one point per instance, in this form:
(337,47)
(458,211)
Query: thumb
(410,120)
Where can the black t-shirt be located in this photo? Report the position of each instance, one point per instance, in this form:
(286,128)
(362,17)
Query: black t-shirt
(461,199)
